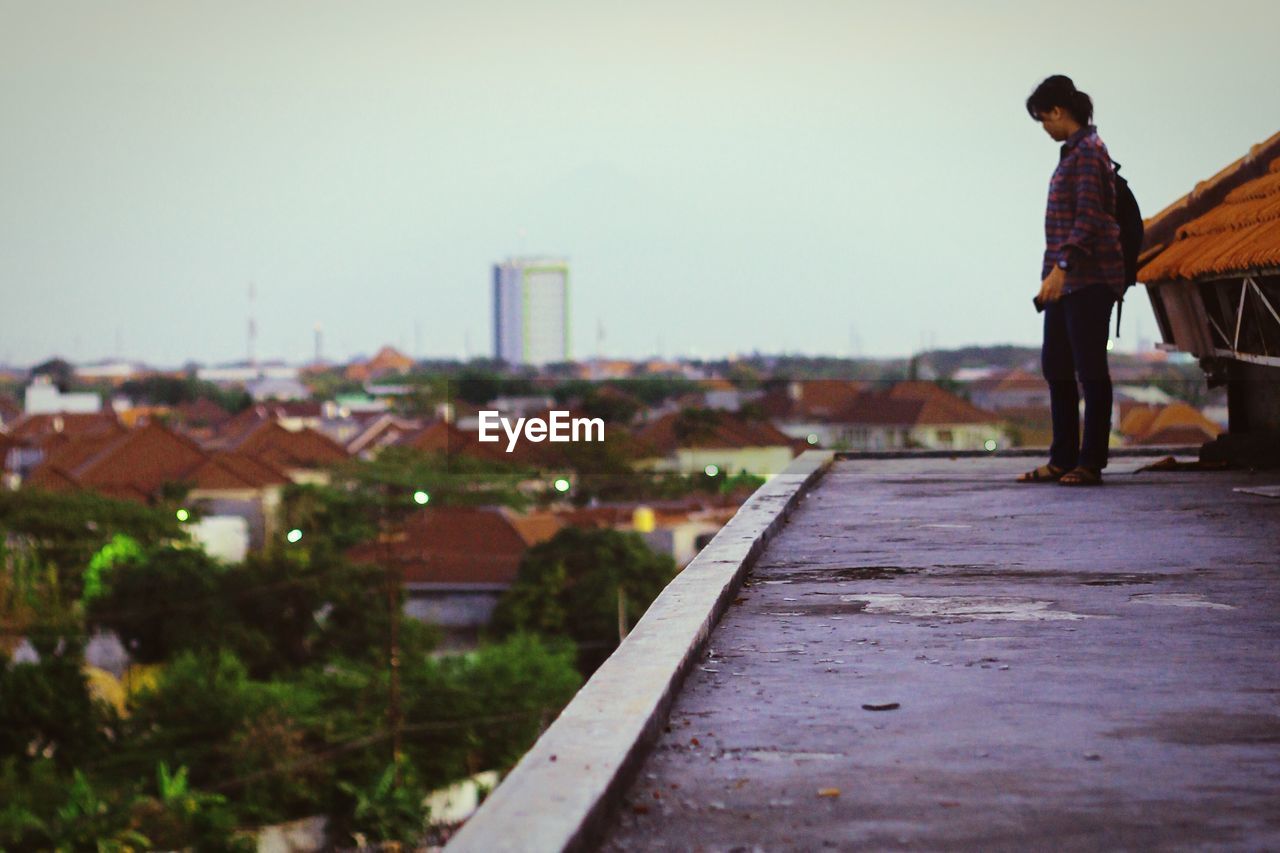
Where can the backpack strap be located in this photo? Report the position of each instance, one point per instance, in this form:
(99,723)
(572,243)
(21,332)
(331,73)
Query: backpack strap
(1115,170)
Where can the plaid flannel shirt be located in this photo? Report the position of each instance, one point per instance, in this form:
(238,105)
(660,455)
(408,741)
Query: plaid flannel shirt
(1079,222)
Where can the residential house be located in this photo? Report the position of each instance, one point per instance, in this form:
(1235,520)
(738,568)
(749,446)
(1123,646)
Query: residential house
(201,419)
(374,433)
(809,410)
(690,440)
(387,362)
(115,372)
(305,455)
(29,435)
(277,388)
(456,562)
(917,414)
(1172,424)
(1014,389)
(151,463)
(678,528)
(42,397)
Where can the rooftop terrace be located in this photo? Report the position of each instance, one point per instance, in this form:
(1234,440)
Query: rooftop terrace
(920,654)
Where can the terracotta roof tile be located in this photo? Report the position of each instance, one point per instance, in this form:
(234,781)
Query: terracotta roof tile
(461,545)
(1227,225)
(722,430)
(135,464)
(914,403)
(284,448)
(816,399)
(35,426)
(231,470)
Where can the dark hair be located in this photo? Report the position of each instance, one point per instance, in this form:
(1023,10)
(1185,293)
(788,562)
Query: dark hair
(1059,91)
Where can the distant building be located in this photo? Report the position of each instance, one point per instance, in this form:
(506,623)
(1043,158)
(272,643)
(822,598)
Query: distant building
(45,398)
(531,311)
(114,372)
(456,562)
(242,374)
(387,362)
(272,388)
(692,440)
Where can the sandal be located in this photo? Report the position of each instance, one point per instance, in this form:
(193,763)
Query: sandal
(1044,474)
(1081,476)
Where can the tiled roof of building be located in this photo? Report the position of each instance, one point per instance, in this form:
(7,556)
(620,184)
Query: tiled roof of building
(1228,224)
(380,431)
(444,437)
(1136,421)
(202,412)
(388,360)
(811,399)
(461,545)
(714,428)
(231,470)
(913,404)
(139,462)
(1009,380)
(285,448)
(1176,423)
(75,423)
(135,464)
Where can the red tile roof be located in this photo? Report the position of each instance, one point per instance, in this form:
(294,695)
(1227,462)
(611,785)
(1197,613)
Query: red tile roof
(385,429)
(444,437)
(202,412)
(388,360)
(720,429)
(461,545)
(1009,380)
(136,464)
(817,399)
(38,426)
(913,403)
(285,448)
(1229,224)
(139,462)
(1176,423)
(230,470)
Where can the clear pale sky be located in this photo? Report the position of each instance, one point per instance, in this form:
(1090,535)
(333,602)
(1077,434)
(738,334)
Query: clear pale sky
(820,177)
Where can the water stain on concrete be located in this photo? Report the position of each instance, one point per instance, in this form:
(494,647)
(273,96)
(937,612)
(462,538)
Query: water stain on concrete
(848,573)
(781,755)
(1178,599)
(1209,727)
(964,607)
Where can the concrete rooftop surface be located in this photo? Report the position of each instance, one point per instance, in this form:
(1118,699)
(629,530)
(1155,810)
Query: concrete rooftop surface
(1055,669)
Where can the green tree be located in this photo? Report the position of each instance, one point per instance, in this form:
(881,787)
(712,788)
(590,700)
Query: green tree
(166,603)
(65,530)
(46,708)
(575,584)
(389,808)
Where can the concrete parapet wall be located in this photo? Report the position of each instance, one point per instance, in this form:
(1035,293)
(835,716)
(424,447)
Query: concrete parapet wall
(557,796)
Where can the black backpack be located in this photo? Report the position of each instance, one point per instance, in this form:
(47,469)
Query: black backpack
(1130,220)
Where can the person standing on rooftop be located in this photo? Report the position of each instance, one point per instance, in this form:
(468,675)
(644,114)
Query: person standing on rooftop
(1082,276)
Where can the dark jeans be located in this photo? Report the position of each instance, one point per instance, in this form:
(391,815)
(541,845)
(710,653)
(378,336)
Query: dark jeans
(1075,346)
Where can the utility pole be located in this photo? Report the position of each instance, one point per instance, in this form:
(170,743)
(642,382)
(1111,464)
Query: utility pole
(622,613)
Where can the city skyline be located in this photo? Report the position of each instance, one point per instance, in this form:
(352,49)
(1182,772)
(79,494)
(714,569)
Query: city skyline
(827,179)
